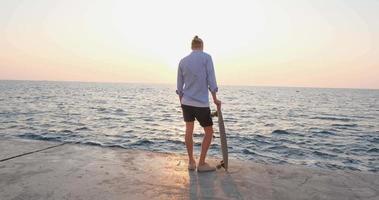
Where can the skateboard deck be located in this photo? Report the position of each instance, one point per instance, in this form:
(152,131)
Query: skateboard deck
(224,145)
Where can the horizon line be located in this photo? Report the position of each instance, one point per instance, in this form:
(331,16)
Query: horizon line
(227,85)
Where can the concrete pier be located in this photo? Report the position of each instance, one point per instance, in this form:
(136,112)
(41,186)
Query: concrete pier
(32,169)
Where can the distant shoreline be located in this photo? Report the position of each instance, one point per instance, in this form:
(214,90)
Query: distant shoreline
(172,84)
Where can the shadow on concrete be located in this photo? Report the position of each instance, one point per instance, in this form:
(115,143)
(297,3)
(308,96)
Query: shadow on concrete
(204,185)
(229,187)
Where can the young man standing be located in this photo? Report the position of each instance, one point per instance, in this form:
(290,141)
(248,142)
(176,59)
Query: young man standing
(196,75)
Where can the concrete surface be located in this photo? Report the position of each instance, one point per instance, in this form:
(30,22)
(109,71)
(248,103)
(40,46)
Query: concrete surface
(74,171)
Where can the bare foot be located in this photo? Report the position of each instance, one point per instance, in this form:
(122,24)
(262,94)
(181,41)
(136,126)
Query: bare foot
(191,165)
(205,168)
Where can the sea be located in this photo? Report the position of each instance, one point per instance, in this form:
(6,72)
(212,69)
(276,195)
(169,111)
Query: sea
(335,129)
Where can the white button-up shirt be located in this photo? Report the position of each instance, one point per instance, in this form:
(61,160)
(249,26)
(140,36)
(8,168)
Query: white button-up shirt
(196,75)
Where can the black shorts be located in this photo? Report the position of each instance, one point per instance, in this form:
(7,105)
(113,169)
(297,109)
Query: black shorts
(202,114)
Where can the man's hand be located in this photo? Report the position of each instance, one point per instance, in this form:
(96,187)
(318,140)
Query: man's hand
(180,99)
(218,103)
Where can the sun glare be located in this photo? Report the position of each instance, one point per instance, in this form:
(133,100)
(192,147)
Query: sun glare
(252,42)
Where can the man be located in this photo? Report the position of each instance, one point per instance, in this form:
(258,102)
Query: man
(195,76)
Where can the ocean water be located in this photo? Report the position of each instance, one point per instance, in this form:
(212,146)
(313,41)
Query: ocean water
(324,128)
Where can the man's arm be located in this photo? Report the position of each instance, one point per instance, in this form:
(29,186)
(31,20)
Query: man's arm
(212,84)
(179,84)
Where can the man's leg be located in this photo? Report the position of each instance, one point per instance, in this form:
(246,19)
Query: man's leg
(189,141)
(206,143)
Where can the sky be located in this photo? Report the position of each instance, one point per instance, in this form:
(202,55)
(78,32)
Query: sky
(307,43)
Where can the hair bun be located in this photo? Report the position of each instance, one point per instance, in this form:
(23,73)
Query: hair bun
(196,42)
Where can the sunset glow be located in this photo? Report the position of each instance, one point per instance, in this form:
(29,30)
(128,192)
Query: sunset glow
(310,43)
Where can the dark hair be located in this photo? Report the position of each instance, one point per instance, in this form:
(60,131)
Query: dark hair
(196,42)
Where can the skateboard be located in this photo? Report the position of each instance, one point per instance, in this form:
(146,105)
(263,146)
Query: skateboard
(224,145)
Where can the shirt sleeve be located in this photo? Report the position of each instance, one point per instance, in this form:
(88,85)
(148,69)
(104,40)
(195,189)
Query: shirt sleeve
(211,77)
(179,82)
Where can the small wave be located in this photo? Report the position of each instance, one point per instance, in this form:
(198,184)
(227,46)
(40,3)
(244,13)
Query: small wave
(335,150)
(119,110)
(128,131)
(66,131)
(323,155)
(142,142)
(333,118)
(231,120)
(351,161)
(175,141)
(106,118)
(364,117)
(115,136)
(101,109)
(72,123)
(107,144)
(13,126)
(255,141)
(83,129)
(295,152)
(246,151)
(277,148)
(215,146)
(374,140)
(198,134)
(197,144)
(324,132)
(116,145)
(290,141)
(344,125)
(148,119)
(373,150)
(33,136)
(261,136)
(374,170)
(92,143)
(327,132)
(358,150)
(280,132)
